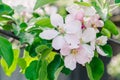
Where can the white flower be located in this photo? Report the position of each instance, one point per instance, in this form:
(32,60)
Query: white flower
(63,32)
(81,55)
(100,41)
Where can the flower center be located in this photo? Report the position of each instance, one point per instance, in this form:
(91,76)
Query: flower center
(99,41)
(74,51)
(61,30)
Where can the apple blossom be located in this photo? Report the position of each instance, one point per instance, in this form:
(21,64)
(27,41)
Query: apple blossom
(62,30)
(100,41)
(82,55)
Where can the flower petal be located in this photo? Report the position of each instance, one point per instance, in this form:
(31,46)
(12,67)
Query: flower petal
(100,51)
(56,20)
(92,43)
(72,8)
(85,55)
(89,35)
(102,40)
(69,18)
(89,11)
(58,42)
(65,50)
(70,62)
(49,34)
(73,27)
(72,40)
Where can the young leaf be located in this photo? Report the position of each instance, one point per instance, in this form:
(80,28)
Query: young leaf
(107,49)
(44,22)
(95,69)
(53,67)
(12,68)
(6,51)
(66,71)
(40,3)
(5,9)
(106,32)
(117,1)
(31,72)
(83,4)
(111,27)
(43,70)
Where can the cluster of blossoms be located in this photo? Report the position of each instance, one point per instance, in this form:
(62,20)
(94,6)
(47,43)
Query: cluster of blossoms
(75,36)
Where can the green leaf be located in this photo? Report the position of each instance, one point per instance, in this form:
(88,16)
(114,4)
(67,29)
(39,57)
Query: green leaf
(58,72)
(111,27)
(44,50)
(12,68)
(6,51)
(95,69)
(107,49)
(22,64)
(43,70)
(117,1)
(44,22)
(53,67)
(5,9)
(83,4)
(106,32)
(66,71)
(31,71)
(0,1)
(40,3)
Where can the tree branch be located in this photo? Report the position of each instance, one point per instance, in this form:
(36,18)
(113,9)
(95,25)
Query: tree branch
(9,34)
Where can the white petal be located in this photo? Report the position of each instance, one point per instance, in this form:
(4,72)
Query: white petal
(100,51)
(92,43)
(72,40)
(49,34)
(58,42)
(73,27)
(72,9)
(89,35)
(102,40)
(69,18)
(70,62)
(56,20)
(85,55)
(90,11)
(65,50)
(89,50)
(100,23)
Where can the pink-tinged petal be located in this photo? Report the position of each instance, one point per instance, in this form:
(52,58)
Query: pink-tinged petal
(69,18)
(89,50)
(100,51)
(73,27)
(70,62)
(49,34)
(100,23)
(56,20)
(89,11)
(73,8)
(79,15)
(85,55)
(58,42)
(65,50)
(87,22)
(72,40)
(89,35)
(92,43)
